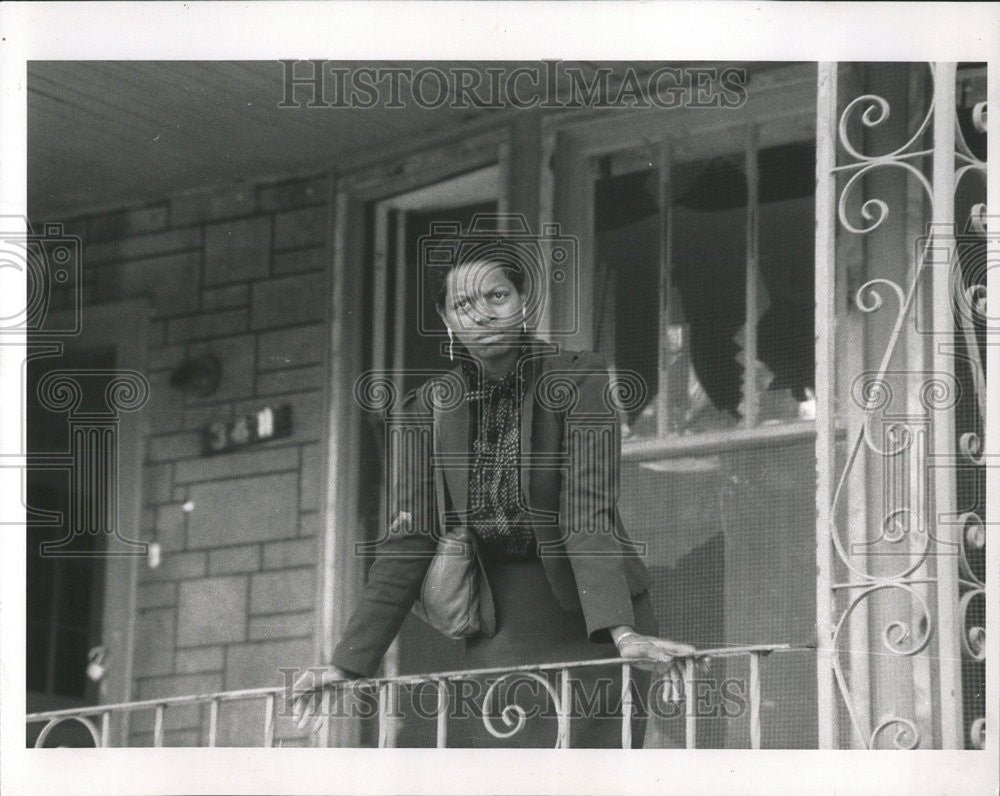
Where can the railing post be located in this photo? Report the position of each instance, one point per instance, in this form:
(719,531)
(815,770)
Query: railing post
(158,725)
(754,692)
(324,725)
(626,706)
(105,729)
(943,522)
(442,714)
(826,384)
(386,736)
(690,719)
(213,722)
(269,721)
(564,709)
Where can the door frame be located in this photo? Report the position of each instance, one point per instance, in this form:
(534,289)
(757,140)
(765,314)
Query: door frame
(123,326)
(340,581)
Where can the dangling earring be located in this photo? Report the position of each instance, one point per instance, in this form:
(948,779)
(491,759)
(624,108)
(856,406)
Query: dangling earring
(524,321)
(451,345)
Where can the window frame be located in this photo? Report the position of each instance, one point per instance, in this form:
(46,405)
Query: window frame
(780,109)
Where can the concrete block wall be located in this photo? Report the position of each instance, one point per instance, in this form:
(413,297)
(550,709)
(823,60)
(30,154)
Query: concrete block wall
(244,275)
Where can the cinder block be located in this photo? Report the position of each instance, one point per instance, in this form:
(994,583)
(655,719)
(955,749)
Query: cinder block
(128,222)
(291,625)
(182,738)
(291,380)
(236,355)
(165,408)
(236,251)
(246,463)
(290,553)
(157,335)
(180,685)
(297,261)
(172,282)
(197,208)
(199,659)
(212,611)
(154,643)
(195,417)
(292,193)
(292,348)
(76,226)
(244,558)
(215,298)
(231,203)
(170,447)
(313,477)
(171,524)
(157,483)
(166,357)
(179,566)
(258,664)
(181,716)
(290,300)
(207,325)
(243,510)
(132,248)
(156,595)
(310,523)
(282,591)
(175,718)
(297,229)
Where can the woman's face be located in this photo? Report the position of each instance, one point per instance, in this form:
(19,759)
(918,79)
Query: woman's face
(483,309)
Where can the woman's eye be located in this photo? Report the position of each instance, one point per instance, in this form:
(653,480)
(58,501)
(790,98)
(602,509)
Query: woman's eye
(498,295)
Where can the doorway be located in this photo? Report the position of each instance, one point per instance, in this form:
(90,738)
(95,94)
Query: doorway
(81,579)
(405,339)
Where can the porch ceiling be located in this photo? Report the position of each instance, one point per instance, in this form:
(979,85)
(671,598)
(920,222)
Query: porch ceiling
(105,134)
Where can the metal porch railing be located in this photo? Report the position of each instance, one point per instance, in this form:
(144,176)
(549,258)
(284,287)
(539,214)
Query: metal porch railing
(97,719)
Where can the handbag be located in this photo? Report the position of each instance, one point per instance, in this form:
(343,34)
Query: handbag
(455,598)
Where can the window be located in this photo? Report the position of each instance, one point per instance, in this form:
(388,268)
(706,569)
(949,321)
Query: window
(695,226)
(685,253)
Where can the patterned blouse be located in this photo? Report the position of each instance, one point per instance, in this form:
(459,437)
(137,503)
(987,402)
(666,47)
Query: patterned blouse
(498,512)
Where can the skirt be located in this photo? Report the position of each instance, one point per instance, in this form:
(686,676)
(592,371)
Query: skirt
(520,708)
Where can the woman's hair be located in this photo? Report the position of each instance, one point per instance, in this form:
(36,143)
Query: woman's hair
(497,251)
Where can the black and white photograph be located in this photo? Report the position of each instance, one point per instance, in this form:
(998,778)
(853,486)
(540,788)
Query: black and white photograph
(404,386)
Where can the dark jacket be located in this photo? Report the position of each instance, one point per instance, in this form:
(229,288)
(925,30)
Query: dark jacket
(570,457)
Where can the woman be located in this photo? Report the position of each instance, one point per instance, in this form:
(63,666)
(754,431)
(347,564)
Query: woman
(565,581)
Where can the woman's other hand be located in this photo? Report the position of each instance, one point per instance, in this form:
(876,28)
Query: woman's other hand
(307,693)
(662,656)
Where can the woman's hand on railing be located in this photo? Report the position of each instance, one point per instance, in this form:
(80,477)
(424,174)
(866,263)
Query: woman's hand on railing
(662,656)
(307,700)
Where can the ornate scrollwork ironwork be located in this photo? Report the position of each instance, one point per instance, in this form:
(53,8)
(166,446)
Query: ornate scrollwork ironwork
(873,392)
(977,733)
(53,723)
(907,735)
(515,716)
